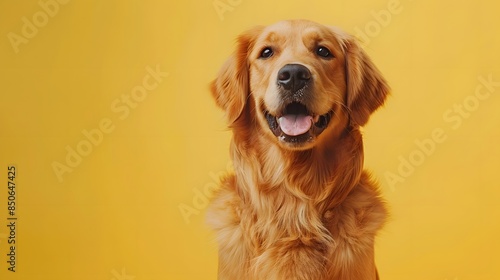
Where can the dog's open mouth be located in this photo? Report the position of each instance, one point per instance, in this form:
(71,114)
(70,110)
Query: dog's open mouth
(296,124)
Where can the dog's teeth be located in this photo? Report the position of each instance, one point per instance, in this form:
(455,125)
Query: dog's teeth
(316,118)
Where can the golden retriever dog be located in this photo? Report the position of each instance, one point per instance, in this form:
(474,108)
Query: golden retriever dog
(299,204)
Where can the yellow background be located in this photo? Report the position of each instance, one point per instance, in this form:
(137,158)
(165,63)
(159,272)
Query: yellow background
(117,216)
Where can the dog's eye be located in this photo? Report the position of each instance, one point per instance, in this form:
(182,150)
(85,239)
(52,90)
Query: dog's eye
(266,53)
(323,52)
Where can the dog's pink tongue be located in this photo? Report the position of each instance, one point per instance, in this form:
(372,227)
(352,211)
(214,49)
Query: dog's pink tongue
(294,125)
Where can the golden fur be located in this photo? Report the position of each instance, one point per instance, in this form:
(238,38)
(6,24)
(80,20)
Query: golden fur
(297,209)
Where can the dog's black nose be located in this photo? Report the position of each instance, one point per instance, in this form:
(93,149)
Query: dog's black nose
(293,76)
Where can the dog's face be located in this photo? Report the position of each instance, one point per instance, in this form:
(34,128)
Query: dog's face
(304,79)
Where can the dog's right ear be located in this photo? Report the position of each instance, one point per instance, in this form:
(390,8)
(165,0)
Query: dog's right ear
(231,87)
(366,87)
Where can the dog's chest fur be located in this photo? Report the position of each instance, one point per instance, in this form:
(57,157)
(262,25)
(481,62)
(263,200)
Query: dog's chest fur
(270,232)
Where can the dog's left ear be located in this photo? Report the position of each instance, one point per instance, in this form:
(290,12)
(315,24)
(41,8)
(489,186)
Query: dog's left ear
(366,88)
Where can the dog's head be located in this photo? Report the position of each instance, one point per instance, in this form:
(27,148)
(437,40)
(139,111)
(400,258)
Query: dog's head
(302,80)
